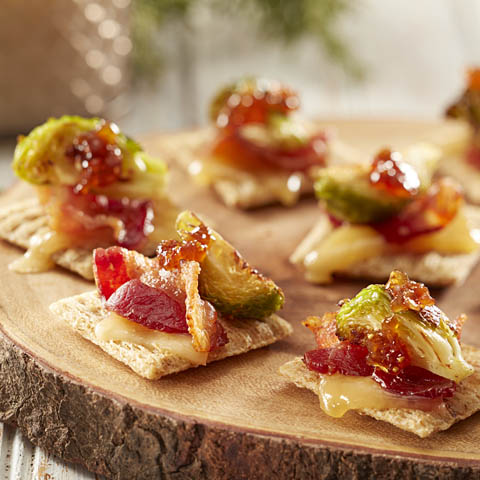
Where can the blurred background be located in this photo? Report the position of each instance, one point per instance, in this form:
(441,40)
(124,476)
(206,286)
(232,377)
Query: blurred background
(153,65)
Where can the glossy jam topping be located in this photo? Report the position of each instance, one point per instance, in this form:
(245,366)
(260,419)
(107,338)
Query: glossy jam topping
(345,358)
(251,101)
(427,213)
(389,173)
(171,253)
(97,157)
(407,294)
(385,348)
(416,382)
(248,155)
(151,307)
(126,222)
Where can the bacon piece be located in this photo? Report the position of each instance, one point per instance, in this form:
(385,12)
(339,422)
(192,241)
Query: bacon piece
(428,213)
(203,325)
(407,294)
(324,328)
(125,221)
(151,307)
(344,358)
(250,155)
(389,173)
(251,101)
(110,270)
(116,266)
(415,382)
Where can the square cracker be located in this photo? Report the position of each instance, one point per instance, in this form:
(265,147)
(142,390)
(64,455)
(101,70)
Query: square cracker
(432,268)
(84,311)
(22,220)
(464,403)
(238,188)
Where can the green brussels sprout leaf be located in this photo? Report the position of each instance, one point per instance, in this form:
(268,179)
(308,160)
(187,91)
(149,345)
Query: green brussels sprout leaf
(226,279)
(348,195)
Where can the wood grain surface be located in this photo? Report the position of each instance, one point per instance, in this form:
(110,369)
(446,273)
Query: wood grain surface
(233,419)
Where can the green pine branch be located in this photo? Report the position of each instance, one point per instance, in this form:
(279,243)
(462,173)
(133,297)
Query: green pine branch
(277,20)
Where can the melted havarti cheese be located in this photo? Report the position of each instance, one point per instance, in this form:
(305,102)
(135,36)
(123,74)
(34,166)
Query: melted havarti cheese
(340,393)
(38,257)
(347,245)
(116,328)
(342,247)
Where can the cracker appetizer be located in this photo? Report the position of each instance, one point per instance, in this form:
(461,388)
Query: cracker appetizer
(198,301)
(391,353)
(95,188)
(260,151)
(388,214)
(462,151)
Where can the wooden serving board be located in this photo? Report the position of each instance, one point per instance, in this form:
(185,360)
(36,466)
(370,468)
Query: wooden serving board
(237,418)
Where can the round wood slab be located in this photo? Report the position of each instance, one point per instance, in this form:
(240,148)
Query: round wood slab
(237,418)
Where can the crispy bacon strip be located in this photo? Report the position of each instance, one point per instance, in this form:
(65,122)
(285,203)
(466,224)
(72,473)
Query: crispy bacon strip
(202,320)
(324,328)
(427,213)
(116,266)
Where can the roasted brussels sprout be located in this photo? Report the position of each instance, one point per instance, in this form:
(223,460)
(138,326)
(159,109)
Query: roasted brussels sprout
(45,157)
(226,279)
(347,195)
(426,333)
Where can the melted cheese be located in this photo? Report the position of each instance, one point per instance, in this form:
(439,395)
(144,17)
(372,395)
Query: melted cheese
(341,248)
(340,393)
(117,328)
(38,257)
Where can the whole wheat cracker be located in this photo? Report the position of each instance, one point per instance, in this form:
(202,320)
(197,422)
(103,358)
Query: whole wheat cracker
(464,403)
(84,311)
(433,268)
